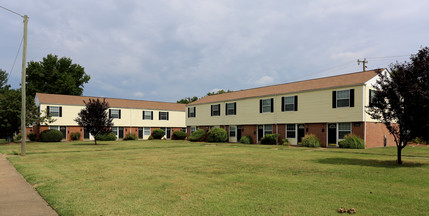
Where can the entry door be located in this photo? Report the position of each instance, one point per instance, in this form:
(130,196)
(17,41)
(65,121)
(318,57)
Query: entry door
(63,130)
(332,134)
(301,132)
(168,133)
(238,133)
(260,132)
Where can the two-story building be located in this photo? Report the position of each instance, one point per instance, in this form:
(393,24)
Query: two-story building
(329,107)
(129,116)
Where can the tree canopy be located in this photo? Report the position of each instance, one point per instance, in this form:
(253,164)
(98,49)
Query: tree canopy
(401,101)
(3,81)
(55,76)
(188,100)
(95,118)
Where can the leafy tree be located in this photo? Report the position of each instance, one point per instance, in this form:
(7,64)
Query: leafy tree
(218,92)
(401,101)
(95,118)
(55,76)
(3,81)
(10,112)
(188,100)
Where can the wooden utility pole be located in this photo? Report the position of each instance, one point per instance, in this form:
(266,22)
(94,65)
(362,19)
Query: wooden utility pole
(23,93)
(364,61)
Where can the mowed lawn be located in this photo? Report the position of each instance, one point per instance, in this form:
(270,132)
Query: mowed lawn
(183,178)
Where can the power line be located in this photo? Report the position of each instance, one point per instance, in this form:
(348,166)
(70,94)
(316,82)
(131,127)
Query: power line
(11,11)
(17,53)
(388,57)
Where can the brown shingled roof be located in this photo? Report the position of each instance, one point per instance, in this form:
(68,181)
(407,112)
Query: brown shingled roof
(113,102)
(306,85)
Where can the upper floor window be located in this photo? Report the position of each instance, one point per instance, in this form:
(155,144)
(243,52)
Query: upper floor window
(372,96)
(55,111)
(290,103)
(192,112)
(266,105)
(115,113)
(231,108)
(215,110)
(343,98)
(147,115)
(163,115)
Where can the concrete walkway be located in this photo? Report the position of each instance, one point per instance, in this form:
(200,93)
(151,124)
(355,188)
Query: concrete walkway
(17,196)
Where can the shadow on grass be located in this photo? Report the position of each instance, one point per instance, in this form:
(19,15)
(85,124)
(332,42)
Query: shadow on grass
(368,162)
(90,144)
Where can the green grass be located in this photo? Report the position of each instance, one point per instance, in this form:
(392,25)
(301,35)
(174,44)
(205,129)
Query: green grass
(182,178)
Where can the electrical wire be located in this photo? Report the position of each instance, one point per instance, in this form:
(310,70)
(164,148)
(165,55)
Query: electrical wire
(11,11)
(17,53)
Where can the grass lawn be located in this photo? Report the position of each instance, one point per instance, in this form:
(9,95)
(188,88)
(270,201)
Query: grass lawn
(182,178)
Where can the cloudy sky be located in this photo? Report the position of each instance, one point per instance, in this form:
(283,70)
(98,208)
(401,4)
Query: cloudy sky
(166,50)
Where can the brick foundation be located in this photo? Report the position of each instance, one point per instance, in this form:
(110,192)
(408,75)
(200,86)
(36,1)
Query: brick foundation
(375,133)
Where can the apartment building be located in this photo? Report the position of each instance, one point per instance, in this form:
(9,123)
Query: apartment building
(329,107)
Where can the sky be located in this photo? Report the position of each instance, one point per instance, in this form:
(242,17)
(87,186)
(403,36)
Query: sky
(166,50)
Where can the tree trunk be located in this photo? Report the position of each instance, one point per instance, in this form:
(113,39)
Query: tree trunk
(95,138)
(399,161)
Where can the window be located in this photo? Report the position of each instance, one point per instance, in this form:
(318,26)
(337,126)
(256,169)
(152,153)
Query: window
(344,129)
(266,105)
(163,115)
(146,131)
(290,131)
(193,129)
(147,115)
(343,98)
(184,130)
(115,113)
(191,112)
(55,111)
(290,103)
(268,129)
(115,130)
(215,110)
(232,131)
(231,108)
(372,96)
(118,131)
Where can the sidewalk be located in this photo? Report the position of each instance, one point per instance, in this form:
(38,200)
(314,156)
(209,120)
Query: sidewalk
(17,197)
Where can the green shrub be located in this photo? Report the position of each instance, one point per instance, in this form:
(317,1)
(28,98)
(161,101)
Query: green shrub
(51,136)
(270,139)
(217,135)
(198,135)
(310,140)
(150,138)
(179,135)
(106,137)
(246,140)
(17,138)
(158,133)
(419,140)
(130,137)
(75,136)
(352,141)
(285,141)
(32,136)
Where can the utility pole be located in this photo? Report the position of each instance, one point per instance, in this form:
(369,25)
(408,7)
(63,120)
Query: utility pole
(23,93)
(364,61)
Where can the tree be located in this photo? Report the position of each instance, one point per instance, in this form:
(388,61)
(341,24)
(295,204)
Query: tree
(95,118)
(55,76)
(401,101)
(3,81)
(219,92)
(10,112)
(188,100)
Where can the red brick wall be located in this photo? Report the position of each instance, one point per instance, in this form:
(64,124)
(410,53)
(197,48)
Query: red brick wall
(358,130)
(281,131)
(375,133)
(74,129)
(318,129)
(249,130)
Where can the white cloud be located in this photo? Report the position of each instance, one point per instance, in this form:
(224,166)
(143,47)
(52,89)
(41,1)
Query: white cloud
(265,80)
(138,94)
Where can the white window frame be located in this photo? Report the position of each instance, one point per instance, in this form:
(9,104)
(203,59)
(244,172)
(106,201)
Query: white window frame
(145,130)
(54,111)
(147,117)
(286,103)
(266,130)
(265,105)
(230,109)
(338,97)
(340,130)
(114,113)
(234,130)
(215,112)
(289,130)
(193,129)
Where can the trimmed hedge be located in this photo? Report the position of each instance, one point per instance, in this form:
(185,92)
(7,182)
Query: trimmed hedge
(179,135)
(270,139)
(107,137)
(310,140)
(158,133)
(217,135)
(32,136)
(198,135)
(130,137)
(352,141)
(246,140)
(51,136)
(75,136)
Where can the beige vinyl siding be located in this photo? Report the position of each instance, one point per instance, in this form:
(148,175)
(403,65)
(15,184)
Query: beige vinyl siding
(313,107)
(129,117)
